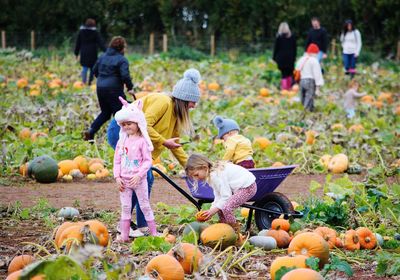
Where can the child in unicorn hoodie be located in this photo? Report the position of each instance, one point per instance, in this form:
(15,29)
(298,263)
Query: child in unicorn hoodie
(132,160)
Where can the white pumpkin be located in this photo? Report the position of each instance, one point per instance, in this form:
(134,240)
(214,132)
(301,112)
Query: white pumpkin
(265,242)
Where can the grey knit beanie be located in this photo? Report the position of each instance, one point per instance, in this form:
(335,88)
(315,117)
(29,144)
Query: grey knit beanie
(187,88)
(224,125)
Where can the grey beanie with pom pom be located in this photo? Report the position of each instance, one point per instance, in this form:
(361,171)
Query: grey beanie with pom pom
(187,88)
(225,125)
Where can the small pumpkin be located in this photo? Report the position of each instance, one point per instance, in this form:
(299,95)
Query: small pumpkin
(82,163)
(19,262)
(214,86)
(76,174)
(263,92)
(96,160)
(280,224)
(170,238)
(263,232)
(282,237)
(287,261)
(25,133)
(102,173)
(367,238)
(379,239)
(310,244)
(200,216)
(94,167)
(338,164)
(351,240)
(67,165)
(265,242)
(302,273)
(15,275)
(68,213)
(328,234)
(216,232)
(261,142)
(244,212)
(324,160)
(310,137)
(165,267)
(188,255)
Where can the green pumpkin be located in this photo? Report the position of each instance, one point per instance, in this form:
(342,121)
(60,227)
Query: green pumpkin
(43,169)
(68,212)
(197,227)
(295,226)
(354,169)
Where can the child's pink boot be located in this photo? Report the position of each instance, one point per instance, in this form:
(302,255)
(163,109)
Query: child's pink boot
(125,227)
(153,228)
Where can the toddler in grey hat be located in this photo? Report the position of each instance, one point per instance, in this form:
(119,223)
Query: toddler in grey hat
(238,148)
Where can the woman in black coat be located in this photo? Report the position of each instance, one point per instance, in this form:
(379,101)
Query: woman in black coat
(285,54)
(87,44)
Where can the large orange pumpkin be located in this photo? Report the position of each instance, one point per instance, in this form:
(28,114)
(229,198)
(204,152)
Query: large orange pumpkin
(67,165)
(100,230)
(96,166)
(216,232)
(282,237)
(351,240)
(280,224)
(165,267)
(188,255)
(328,234)
(19,262)
(302,273)
(367,238)
(310,244)
(70,236)
(62,227)
(288,261)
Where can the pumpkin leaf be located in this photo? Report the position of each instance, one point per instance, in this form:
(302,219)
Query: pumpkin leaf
(313,263)
(150,243)
(282,271)
(339,265)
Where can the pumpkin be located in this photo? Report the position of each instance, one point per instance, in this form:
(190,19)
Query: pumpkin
(37,135)
(200,216)
(94,167)
(244,212)
(295,88)
(302,273)
(216,232)
(67,178)
(287,261)
(310,137)
(82,163)
(76,174)
(43,169)
(277,164)
(102,173)
(265,242)
(15,275)
(310,244)
(22,83)
(91,176)
(96,160)
(70,236)
(385,97)
(19,262)
(338,243)
(351,240)
(356,128)
(25,133)
(282,237)
(165,267)
(170,238)
(78,85)
(295,226)
(397,110)
(213,86)
(367,99)
(324,160)
(263,232)
(328,234)
(338,164)
(100,230)
(188,255)
(263,92)
(68,213)
(280,224)
(367,238)
(67,165)
(261,142)
(23,169)
(61,228)
(337,126)
(379,239)
(60,174)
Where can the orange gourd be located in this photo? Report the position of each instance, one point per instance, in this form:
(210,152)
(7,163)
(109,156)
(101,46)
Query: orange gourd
(170,238)
(367,238)
(165,267)
(96,160)
(15,275)
(67,165)
(328,234)
(310,137)
(82,163)
(200,216)
(19,262)
(288,261)
(70,236)
(338,243)
(61,228)
(280,224)
(302,273)
(351,240)
(282,237)
(310,244)
(25,133)
(102,173)
(211,235)
(262,142)
(100,230)
(94,167)
(188,255)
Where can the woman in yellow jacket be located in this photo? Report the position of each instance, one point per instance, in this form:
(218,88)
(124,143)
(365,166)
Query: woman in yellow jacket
(167,117)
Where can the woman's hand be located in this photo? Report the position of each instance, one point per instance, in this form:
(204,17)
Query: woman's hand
(209,213)
(120,184)
(134,181)
(171,144)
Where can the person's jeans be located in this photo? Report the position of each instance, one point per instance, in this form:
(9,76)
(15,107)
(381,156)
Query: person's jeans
(85,69)
(350,113)
(349,62)
(319,56)
(113,133)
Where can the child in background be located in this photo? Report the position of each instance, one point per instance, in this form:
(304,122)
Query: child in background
(311,76)
(232,186)
(132,160)
(350,98)
(238,148)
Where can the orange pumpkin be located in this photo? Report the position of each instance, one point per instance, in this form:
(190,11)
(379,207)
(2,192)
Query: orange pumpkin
(165,267)
(170,238)
(15,275)
(61,228)
(211,235)
(213,86)
(200,216)
(385,97)
(328,234)
(100,230)
(310,137)
(351,240)
(37,135)
(188,255)
(262,142)
(264,92)
(280,224)
(282,237)
(70,236)
(25,133)
(102,173)
(310,244)
(338,243)
(82,163)
(302,273)
(96,160)
(19,262)
(367,99)
(67,165)
(288,261)
(324,160)
(367,238)
(338,164)
(94,167)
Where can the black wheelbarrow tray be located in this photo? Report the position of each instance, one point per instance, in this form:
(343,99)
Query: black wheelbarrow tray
(267,204)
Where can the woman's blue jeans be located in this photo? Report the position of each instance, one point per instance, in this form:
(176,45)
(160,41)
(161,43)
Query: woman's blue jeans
(85,69)
(112,138)
(349,62)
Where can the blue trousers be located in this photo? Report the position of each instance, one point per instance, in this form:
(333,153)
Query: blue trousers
(85,69)
(349,62)
(112,138)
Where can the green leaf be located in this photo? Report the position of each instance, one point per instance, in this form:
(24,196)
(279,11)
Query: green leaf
(388,264)
(339,265)
(313,263)
(150,243)
(282,271)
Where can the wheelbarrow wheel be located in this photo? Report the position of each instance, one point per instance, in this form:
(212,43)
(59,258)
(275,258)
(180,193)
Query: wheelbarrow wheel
(274,201)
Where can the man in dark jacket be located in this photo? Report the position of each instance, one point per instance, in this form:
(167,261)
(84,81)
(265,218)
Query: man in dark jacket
(319,36)
(87,44)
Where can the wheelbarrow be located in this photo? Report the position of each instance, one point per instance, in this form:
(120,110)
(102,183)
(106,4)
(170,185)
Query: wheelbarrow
(266,204)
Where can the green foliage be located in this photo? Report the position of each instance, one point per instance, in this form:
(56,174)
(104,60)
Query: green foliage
(150,243)
(282,271)
(388,264)
(337,264)
(175,215)
(185,53)
(334,214)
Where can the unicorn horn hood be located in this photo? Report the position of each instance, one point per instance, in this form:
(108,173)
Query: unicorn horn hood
(133,113)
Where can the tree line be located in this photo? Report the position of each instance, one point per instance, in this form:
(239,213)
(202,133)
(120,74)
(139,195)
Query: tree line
(233,21)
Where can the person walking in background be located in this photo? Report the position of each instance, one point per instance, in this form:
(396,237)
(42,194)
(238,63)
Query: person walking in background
(319,36)
(112,73)
(284,54)
(86,47)
(351,47)
(311,77)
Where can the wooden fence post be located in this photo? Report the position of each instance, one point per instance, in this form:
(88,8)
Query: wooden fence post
(333,48)
(165,43)
(398,51)
(151,44)
(3,39)
(32,40)
(212,45)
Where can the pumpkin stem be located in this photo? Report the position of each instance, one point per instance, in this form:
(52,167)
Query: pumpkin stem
(367,239)
(356,239)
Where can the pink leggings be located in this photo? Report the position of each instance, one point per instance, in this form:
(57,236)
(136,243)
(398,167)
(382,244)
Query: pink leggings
(226,214)
(143,199)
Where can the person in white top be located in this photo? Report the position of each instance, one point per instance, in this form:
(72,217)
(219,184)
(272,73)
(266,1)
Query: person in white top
(311,76)
(351,45)
(232,186)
